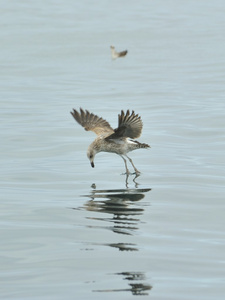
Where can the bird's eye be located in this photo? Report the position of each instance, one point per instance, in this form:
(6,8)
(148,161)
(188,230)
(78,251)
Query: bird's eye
(91,156)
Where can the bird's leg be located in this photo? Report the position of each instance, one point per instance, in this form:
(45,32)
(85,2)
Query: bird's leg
(127,171)
(136,170)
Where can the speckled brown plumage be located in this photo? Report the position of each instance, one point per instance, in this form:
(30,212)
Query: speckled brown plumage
(119,141)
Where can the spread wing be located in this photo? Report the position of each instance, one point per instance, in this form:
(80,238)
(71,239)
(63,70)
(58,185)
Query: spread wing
(129,125)
(122,53)
(92,122)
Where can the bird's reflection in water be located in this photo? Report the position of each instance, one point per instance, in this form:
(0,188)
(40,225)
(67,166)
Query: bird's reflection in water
(124,246)
(138,287)
(134,180)
(120,210)
(121,205)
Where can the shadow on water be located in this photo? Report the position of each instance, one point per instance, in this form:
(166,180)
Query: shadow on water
(120,211)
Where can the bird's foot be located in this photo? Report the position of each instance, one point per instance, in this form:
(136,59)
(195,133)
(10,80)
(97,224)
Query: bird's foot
(127,173)
(137,173)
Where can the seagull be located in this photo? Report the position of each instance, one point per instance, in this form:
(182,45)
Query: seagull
(117,54)
(119,141)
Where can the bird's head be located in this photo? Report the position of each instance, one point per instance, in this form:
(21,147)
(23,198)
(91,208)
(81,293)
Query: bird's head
(91,155)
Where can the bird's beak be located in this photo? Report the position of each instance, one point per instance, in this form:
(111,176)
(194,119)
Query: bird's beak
(92,164)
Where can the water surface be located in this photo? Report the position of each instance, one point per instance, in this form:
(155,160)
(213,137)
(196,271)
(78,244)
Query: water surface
(70,231)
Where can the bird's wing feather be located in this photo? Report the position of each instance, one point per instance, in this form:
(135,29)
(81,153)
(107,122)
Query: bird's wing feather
(92,122)
(129,125)
(122,53)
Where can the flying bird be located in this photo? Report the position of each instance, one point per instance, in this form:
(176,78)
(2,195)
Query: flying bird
(117,54)
(120,140)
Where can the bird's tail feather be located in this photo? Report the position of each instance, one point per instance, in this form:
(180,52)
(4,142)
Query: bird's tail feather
(142,145)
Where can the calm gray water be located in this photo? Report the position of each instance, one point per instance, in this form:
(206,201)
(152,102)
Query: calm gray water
(72,232)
